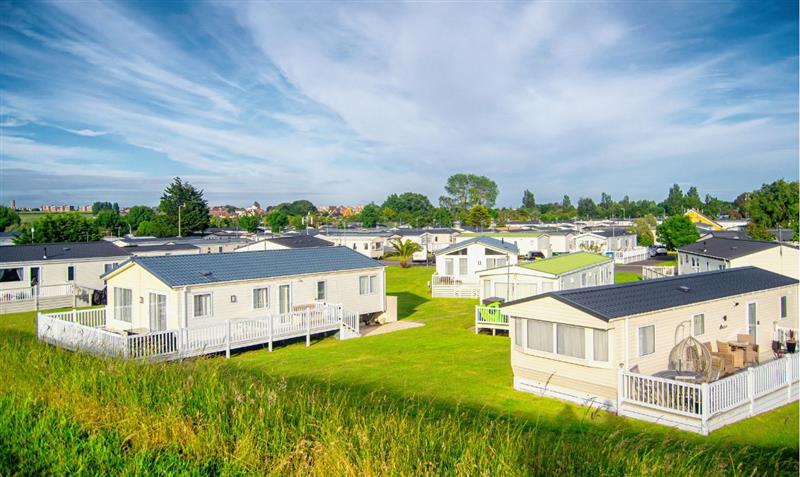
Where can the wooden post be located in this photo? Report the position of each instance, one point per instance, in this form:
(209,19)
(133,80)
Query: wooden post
(227,338)
(270,317)
(307,317)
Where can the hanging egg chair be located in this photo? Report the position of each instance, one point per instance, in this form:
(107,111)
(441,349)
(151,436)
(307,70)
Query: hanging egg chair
(690,355)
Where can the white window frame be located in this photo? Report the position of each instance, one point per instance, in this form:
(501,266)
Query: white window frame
(594,359)
(324,290)
(694,324)
(290,304)
(370,288)
(119,308)
(555,342)
(266,301)
(210,306)
(74,273)
(639,343)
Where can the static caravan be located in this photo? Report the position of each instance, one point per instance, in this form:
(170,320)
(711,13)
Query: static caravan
(612,346)
(718,253)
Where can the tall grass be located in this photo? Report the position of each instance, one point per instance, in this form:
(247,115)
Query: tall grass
(67,413)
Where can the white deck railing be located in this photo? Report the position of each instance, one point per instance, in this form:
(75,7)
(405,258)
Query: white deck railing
(82,329)
(653,272)
(30,293)
(710,405)
(490,318)
(448,286)
(633,255)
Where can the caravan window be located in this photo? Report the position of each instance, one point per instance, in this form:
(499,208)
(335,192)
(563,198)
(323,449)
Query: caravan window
(10,274)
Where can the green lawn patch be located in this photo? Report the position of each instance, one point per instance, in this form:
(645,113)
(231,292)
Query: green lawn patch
(625,277)
(431,400)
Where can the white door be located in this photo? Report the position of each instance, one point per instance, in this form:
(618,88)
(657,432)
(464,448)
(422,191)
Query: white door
(158,312)
(752,321)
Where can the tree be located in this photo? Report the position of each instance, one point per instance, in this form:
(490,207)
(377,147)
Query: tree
(775,205)
(441,216)
(299,207)
(256,205)
(296,222)
(528,200)
(410,207)
(71,227)
(8,217)
(757,231)
(158,226)
(692,199)
(370,215)
(674,203)
(467,190)
(250,222)
(677,231)
(138,214)
(98,206)
(277,221)
(478,216)
(587,209)
(404,249)
(651,220)
(193,207)
(566,203)
(644,235)
(107,220)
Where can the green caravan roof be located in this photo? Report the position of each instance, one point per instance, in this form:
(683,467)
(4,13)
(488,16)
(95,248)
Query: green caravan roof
(561,264)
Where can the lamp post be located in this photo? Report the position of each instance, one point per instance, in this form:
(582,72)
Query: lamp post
(179,218)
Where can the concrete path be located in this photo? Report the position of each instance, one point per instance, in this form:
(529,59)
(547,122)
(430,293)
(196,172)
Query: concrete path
(373,330)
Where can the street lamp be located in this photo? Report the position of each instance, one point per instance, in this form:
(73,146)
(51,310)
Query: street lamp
(179,218)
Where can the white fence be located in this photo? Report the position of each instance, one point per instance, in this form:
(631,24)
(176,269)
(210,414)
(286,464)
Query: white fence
(629,256)
(445,286)
(490,318)
(83,330)
(29,293)
(651,273)
(705,407)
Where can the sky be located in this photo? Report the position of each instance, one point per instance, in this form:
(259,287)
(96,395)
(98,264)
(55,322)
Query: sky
(344,103)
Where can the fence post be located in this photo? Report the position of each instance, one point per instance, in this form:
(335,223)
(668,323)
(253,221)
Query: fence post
(271,318)
(227,338)
(789,376)
(751,388)
(74,315)
(705,407)
(307,317)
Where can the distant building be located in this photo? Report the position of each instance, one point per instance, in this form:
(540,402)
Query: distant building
(12,204)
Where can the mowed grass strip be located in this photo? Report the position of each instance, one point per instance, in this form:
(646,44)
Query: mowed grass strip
(432,400)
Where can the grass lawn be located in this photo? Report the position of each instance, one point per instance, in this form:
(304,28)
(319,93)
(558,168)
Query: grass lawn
(31,217)
(625,277)
(430,400)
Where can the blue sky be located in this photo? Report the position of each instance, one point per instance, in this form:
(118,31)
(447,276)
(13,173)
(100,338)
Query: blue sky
(346,103)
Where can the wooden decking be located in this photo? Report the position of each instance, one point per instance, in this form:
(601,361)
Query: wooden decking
(84,330)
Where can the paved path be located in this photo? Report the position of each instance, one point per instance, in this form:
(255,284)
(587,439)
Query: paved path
(373,330)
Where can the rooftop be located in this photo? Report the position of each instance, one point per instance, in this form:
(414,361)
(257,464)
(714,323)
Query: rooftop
(561,264)
(61,251)
(300,241)
(160,247)
(617,301)
(184,270)
(510,233)
(727,248)
(481,240)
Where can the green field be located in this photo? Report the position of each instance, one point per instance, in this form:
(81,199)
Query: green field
(432,400)
(31,217)
(625,277)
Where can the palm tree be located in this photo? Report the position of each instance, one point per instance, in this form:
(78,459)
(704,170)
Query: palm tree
(404,250)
